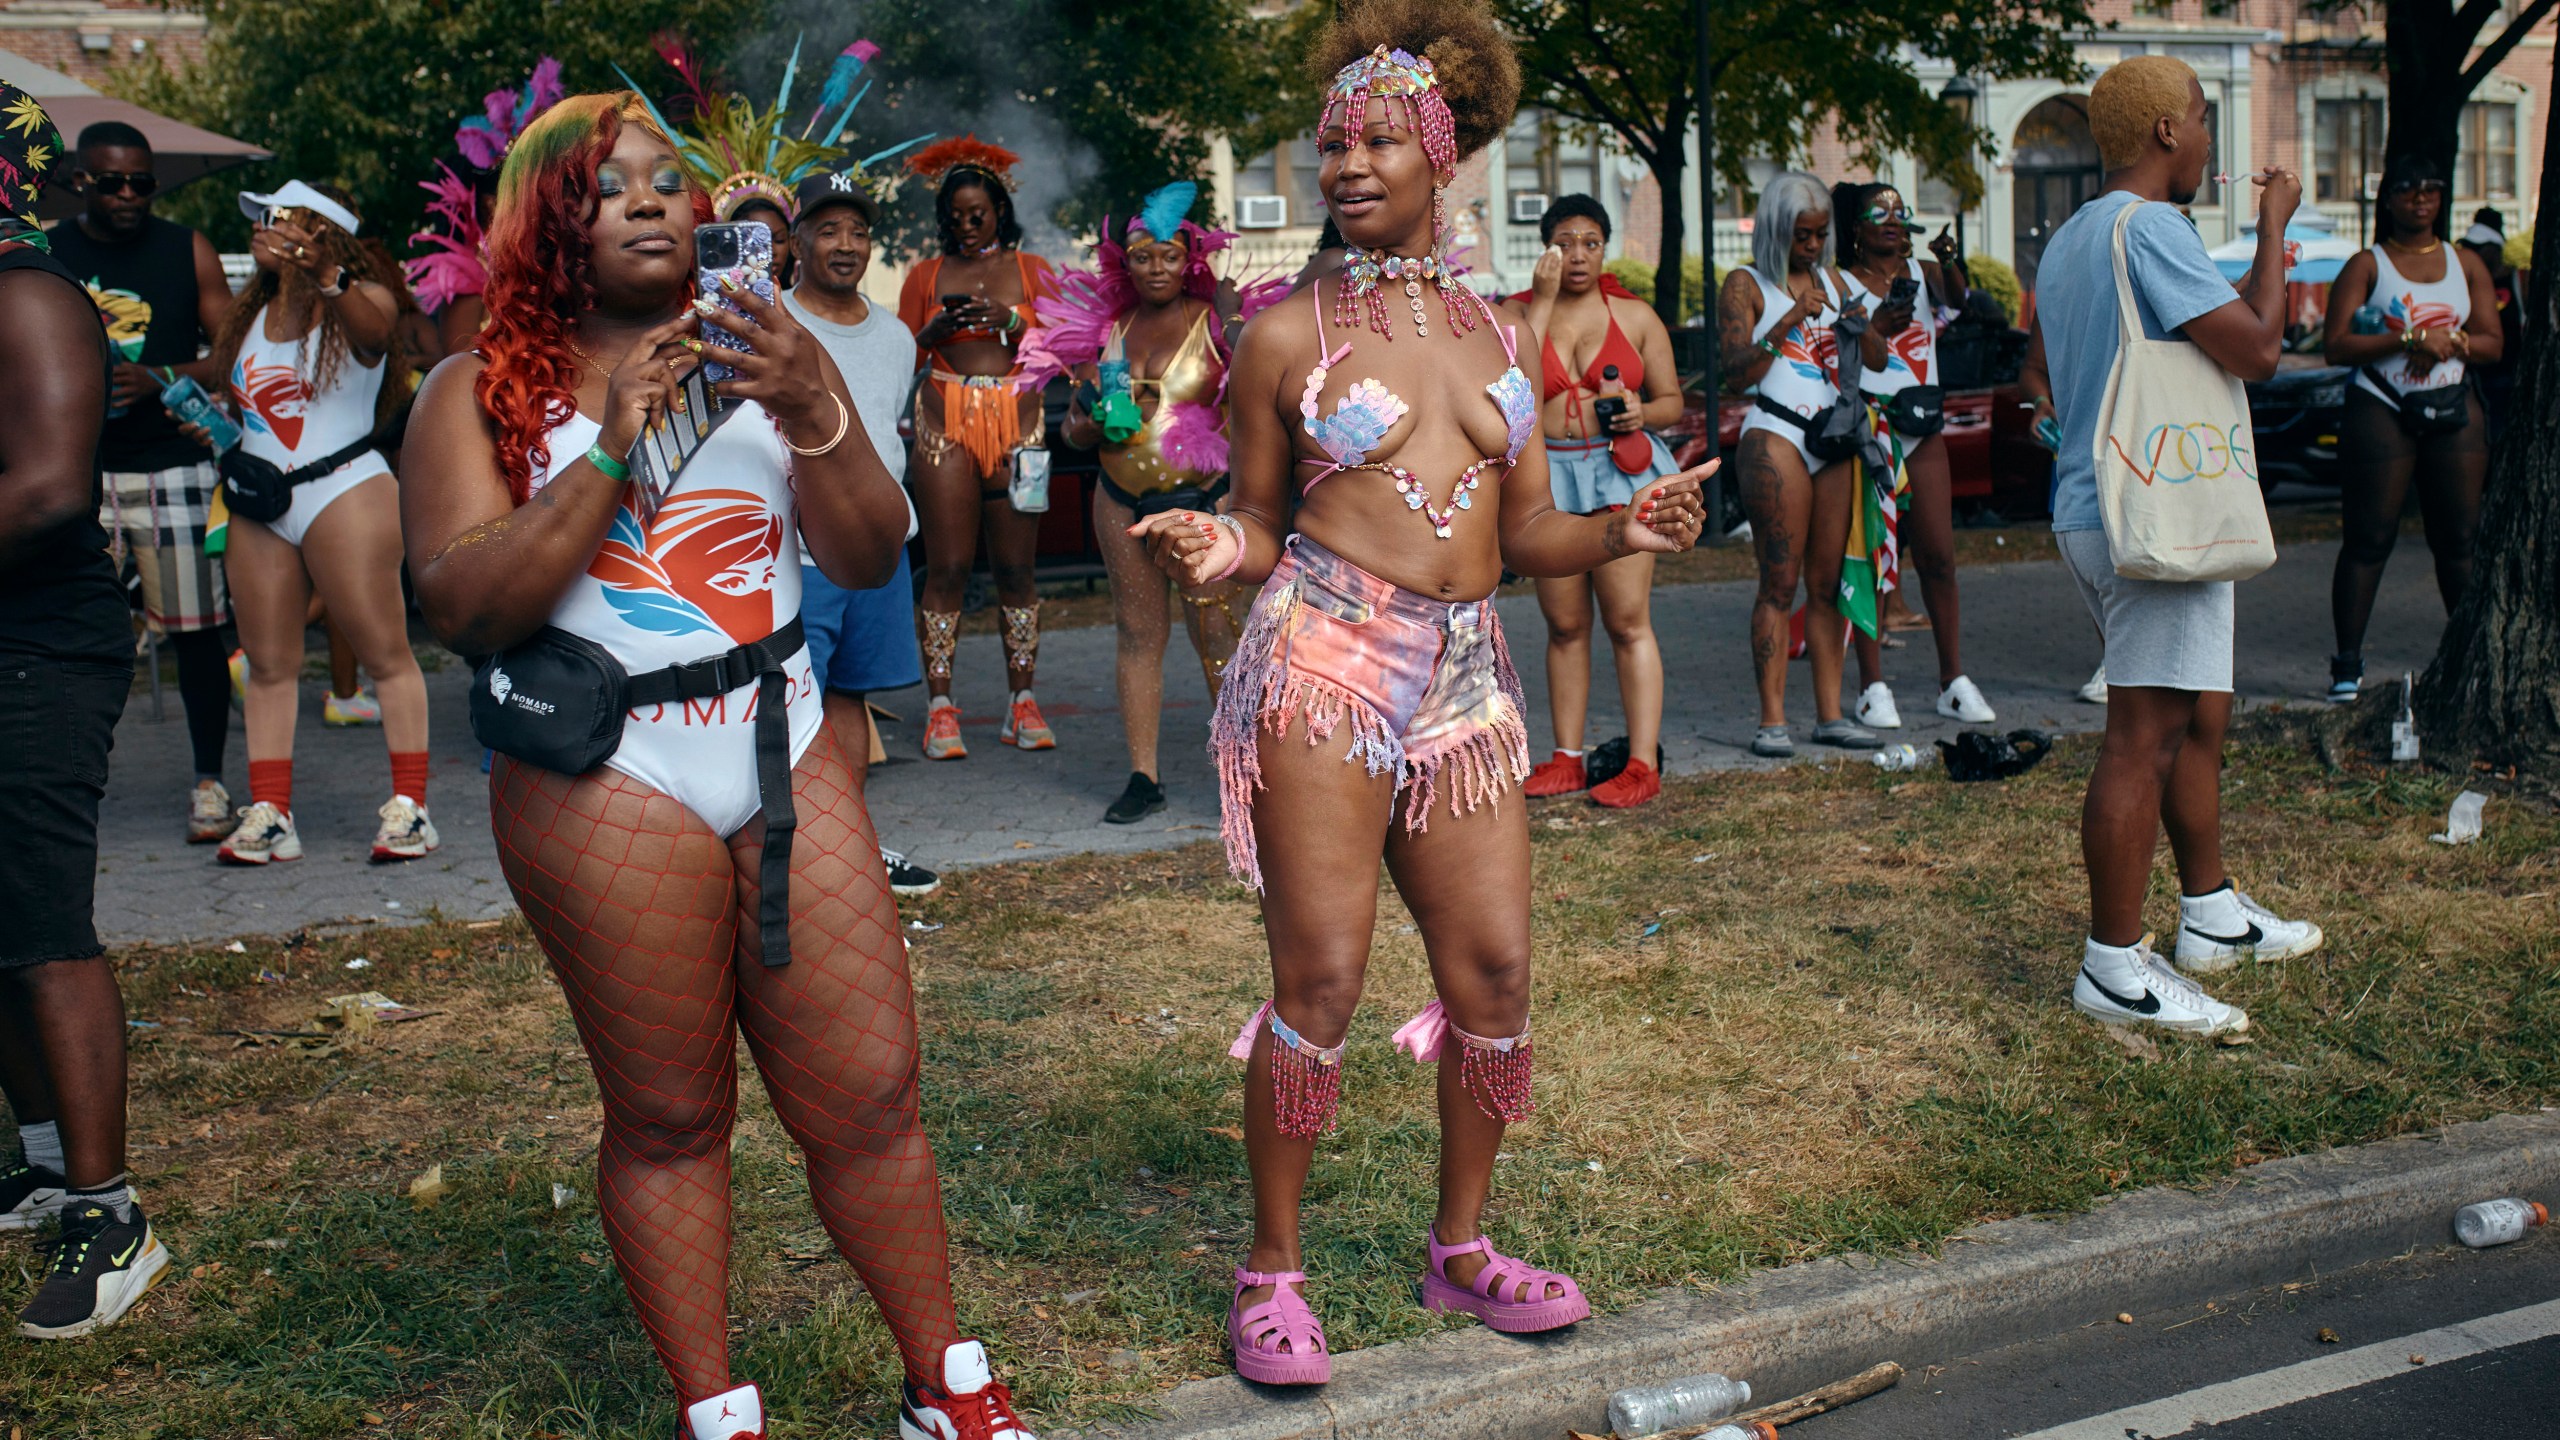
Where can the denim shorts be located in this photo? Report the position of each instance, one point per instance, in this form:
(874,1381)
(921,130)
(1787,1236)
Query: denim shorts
(57,723)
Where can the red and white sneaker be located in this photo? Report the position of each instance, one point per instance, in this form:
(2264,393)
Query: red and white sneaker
(730,1415)
(967,1405)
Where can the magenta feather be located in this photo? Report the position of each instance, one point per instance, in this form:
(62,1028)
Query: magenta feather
(453,267)
(1075,323)
(1195,437)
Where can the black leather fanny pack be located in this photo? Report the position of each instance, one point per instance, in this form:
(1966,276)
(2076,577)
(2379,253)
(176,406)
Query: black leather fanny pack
(559,701)
(1915,412)
(2440,411)
(259,489)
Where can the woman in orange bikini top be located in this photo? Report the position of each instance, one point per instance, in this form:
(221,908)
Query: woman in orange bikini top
(970,308)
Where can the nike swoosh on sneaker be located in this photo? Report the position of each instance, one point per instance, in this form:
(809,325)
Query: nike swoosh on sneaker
(118,1260)
(2148,1004)
(2250,936)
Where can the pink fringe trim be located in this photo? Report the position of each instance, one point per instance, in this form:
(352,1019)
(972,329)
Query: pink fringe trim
(1495,1072)
(1306,1079)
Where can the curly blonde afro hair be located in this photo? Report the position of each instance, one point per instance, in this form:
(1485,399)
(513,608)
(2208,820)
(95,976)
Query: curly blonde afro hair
(2134,96)
(1478,68)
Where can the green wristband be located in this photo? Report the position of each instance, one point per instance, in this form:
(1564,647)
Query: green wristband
(614,470)
(1766,348)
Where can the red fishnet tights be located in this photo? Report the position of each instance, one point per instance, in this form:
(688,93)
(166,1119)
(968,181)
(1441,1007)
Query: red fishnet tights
(641,908)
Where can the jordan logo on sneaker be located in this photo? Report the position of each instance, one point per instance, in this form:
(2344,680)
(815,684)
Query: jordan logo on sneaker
(726,1413)
(2146,1004)
(2250,936)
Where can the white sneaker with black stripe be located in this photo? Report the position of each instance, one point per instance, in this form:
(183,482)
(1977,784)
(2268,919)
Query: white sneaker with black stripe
(2156,995)
(30,1196)
(2219,930)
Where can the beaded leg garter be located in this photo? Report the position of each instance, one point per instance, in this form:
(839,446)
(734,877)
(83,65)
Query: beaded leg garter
(1494,1071)
(938,632)
(1306,1079)
(1021,636)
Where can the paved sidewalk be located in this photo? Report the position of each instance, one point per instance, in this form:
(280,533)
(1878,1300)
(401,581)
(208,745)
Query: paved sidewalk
(2028,643)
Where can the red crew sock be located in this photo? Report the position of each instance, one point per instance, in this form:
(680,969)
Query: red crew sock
(272,781)
(409,774)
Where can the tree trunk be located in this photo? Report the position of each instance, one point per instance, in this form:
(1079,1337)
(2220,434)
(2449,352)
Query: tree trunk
(2493,691)
(1669,161)
(2425,57)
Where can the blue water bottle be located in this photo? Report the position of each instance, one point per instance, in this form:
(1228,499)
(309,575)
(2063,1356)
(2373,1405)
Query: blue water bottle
(2367,320)
(187,400)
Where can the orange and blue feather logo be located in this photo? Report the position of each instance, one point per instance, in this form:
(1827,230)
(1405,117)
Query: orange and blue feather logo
(706,564)
(1811,350)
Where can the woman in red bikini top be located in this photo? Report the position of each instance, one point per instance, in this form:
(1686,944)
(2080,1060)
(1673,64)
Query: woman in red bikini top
(1410,424)
(1602,344)
(970,307)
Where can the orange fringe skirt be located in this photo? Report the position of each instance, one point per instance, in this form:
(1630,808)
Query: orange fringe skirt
(981,414)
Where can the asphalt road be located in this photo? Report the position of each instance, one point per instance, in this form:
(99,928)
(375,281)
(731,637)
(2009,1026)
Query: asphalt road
(2254,1365)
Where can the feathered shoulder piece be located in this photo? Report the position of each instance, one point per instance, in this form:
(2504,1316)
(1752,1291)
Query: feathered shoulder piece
(452,267)
(939,158)
(1076,319)
(738,153)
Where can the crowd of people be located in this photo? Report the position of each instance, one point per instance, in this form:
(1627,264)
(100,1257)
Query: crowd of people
(664,505)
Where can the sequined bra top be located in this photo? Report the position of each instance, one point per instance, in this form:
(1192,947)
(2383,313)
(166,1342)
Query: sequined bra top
(1366,412)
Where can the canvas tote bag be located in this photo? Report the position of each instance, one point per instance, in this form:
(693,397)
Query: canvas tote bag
(2177,460)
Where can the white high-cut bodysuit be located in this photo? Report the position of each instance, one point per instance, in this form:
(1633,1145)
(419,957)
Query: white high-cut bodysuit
(1799,376)
(719,567)
(2443,303)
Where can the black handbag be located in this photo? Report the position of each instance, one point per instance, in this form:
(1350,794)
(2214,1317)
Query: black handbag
(1915,412)
(559,700)
(258,489)
(2439,411)
(1608,760)
(1982,755)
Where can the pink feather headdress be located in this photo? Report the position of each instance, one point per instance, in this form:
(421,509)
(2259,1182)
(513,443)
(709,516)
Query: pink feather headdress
(452,267)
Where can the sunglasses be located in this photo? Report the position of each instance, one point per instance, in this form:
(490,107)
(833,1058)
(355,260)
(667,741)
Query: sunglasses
(2422,187)
(1878,215)
(109,182)
(285,215)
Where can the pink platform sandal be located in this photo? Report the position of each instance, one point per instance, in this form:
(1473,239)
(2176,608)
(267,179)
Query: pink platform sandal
(1507,1295)
(1258,1332)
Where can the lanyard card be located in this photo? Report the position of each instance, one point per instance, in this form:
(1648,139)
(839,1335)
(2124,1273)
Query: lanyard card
(663,450)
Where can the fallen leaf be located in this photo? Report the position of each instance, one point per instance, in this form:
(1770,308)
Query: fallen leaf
(2134,1042)
(2326,1336)
(371,1418)
(428,1188)
(1024,845)
(440,954)
(2123,1318)
(2417,1359)
(1231,1132)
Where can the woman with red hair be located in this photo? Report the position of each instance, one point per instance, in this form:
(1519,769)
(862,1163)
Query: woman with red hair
(716,872)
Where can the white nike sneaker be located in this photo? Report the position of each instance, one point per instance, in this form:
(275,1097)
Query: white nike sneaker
(967,1404)
(1962,700)
(406,832)
(264,834)
(2218,931)
(2095,690)
(730,1415)
(1876,710)
(2166,999)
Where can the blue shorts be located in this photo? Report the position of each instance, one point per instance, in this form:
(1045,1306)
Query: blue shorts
(861,640)
(1585,481)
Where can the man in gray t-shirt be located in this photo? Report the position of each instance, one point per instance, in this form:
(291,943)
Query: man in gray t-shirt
(2168,646)
(859,640)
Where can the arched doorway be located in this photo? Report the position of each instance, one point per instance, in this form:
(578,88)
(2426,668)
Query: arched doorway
(2055,162)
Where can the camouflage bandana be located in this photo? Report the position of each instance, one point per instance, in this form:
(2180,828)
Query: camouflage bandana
(29,144)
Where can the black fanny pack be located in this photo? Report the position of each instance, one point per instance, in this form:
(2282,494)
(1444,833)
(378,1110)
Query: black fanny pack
(258,489)
(1915,411)
(559,701)
(1834,434)
(2440,411)
(1182,497)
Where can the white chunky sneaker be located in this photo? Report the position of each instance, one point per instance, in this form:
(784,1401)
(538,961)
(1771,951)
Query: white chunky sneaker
(209,815)
(967,1404)
(2158,996)
(1876,709)
(730,1415)
(2095,691)
(406,831)
(2218,931)
(264,834)
(1962,700)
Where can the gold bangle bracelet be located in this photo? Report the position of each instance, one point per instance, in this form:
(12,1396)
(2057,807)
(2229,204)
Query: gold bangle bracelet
(844,422)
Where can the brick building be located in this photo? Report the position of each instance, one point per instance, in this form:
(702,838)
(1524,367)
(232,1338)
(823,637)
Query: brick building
(84,39)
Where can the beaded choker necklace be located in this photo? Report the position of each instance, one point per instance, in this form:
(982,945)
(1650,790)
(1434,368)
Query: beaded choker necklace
(1361,289)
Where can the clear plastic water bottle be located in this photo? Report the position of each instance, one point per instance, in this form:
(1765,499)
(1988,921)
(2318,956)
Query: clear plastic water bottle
(1898,757)
(2491,1222)
(2366,321)
(1691,1400)
(1747,1430)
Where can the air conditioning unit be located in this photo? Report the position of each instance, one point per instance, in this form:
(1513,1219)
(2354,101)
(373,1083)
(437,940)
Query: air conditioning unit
(1262,212)
(1527,207)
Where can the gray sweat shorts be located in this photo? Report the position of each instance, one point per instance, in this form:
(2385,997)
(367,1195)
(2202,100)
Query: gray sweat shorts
(2175,635)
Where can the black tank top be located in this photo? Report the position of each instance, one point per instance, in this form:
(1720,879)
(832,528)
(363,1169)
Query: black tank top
(62,602)
(145,291)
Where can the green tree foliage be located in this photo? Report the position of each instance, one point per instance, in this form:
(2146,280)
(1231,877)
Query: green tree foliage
(1780,68)
(1992,275)
(1105,100)
(366,93)
(1639,277)
(2436,53)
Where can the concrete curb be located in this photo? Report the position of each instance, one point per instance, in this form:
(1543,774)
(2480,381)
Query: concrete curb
(1998,1284)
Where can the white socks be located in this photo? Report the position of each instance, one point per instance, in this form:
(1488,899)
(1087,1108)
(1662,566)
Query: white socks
(116,1195)
(2118,968)
(43,1144)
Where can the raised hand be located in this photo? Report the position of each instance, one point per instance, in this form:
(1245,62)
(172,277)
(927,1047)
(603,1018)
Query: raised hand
(783,372)
(1191,547)
(641,383)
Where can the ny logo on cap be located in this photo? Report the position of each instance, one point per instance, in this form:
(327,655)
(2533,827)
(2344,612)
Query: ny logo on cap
(841,182)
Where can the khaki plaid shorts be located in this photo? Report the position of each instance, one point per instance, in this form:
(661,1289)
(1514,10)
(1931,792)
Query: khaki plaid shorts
(158,518)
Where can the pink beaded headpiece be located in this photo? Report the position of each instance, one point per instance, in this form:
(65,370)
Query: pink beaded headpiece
(1385,74)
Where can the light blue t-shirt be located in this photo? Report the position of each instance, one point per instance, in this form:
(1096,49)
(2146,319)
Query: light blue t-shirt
(2174,281)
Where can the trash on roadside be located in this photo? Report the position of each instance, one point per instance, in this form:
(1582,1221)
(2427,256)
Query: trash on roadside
(236,948)
(1690,1400)
(561,1195)
(1898,758)
(1981,755)
(142,1025)
(376,1008)
(428,1188)
(2497,1222)
(2404,731)
(921,927)
(271,977)
(360,962)
(2462,822)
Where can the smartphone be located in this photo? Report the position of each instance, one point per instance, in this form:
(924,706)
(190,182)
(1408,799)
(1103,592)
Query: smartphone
(1904,289)
(188,401)
(954,302)
(733,250)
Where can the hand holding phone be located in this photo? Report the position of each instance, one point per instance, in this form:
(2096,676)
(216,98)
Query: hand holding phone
(738,253)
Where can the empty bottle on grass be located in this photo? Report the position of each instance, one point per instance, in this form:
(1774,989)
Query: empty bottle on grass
(1747,1430)
(1692,1400)
(2494,1222)
(1898,757)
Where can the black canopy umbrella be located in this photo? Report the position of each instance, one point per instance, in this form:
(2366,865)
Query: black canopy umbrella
(179,152)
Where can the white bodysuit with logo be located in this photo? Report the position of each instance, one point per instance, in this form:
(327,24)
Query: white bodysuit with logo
(285,420)
(719,567)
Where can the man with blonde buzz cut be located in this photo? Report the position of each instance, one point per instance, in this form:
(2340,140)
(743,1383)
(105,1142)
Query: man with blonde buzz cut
(2168,645)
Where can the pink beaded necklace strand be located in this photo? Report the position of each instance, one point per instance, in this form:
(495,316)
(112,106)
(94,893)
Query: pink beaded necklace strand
(1385,74)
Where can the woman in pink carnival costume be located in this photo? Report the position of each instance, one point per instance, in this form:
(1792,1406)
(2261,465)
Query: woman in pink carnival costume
(1372,676)
(449,278)
(1148,332)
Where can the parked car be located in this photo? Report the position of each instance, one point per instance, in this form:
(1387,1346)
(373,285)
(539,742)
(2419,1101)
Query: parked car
(2295,413)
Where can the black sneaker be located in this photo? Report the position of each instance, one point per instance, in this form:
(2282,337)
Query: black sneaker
(906,878)
(1141,798)
(2346,678)
(30,1195)
(101,1265)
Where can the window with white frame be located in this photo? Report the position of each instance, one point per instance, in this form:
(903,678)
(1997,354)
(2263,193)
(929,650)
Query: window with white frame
(1543,158)
(1280,188)
(2485,167)
(2346,143)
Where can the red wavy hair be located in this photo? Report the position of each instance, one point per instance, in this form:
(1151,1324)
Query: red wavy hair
(542,273)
